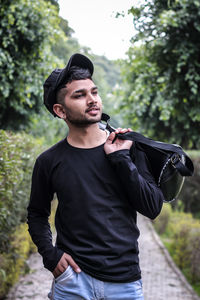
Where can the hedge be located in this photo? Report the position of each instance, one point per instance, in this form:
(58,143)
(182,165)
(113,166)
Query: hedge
(17,156)
(181,235)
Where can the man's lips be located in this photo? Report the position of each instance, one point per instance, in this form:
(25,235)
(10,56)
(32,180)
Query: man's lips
(92,109)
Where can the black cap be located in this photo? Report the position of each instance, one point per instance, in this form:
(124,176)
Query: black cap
(59,77)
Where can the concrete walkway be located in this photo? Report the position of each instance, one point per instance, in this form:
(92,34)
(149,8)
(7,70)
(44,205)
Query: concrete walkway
(161,279)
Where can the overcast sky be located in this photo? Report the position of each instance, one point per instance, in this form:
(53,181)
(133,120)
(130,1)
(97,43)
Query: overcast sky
(96,27)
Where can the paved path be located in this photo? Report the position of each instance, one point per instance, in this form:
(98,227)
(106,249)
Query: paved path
(161,279)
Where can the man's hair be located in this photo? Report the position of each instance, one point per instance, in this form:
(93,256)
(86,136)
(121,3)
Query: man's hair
(75,73)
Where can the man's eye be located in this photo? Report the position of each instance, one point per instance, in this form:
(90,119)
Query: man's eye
(95,92)
(78,96)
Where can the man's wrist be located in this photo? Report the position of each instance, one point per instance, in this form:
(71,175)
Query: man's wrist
(51,261)
(119,155)
(121,152)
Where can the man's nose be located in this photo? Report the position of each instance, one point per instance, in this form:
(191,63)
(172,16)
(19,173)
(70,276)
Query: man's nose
(91,98)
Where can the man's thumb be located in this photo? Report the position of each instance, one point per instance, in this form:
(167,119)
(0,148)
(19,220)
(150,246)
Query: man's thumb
(111,138)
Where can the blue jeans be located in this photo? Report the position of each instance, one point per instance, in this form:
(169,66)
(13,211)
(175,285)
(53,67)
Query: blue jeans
(72,286)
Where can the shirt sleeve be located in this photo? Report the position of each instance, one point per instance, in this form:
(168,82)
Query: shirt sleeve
(39,210)
(139,185)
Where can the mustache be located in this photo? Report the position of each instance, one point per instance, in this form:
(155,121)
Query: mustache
(91,108)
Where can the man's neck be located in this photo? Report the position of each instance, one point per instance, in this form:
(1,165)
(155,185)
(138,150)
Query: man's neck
(86,137)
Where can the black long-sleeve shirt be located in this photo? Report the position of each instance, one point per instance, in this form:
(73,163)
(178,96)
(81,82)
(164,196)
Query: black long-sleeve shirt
(98,196)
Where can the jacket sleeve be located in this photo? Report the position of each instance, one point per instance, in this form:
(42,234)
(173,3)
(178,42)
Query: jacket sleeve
(39,210)
(138,183)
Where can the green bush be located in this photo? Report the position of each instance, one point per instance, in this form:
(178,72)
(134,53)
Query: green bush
(194,250)
(17,156)
(179,245)
(162,221)
(185,248)
(181,235)
(13,262)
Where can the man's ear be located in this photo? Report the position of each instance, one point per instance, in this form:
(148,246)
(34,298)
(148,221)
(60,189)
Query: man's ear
(59,110)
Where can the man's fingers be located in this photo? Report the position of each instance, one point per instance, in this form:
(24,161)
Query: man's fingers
(122,130)
(118,130)
(59,270)
(72,263)
(56,273)
(63,264)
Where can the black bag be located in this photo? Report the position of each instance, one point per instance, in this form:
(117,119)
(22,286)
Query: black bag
(169,163)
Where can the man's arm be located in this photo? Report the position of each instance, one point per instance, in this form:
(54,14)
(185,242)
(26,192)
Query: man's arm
(142,192)
(39,209)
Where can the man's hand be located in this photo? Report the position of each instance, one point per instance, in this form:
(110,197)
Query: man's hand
(62,265)
(118,144)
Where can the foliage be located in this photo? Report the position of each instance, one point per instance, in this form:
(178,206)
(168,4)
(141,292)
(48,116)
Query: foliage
(181,235)
(34,41)
(163,71)
(163,219)
(17,154)
(28,28)
(54,2)
(180,242)
(186,248)
(63,48)
(12,262)
(107,78)
(50,129)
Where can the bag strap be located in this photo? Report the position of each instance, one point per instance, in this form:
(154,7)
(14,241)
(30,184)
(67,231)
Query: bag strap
(185,169)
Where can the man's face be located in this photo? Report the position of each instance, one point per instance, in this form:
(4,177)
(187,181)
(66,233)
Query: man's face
(83,105)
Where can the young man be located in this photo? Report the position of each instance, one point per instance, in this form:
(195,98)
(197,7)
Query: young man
(99,189)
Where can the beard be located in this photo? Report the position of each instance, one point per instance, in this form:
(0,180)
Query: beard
(81,120)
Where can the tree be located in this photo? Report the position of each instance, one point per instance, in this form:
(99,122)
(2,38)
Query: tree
(64,47)
(54,2)
(28,28)
(163,71)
